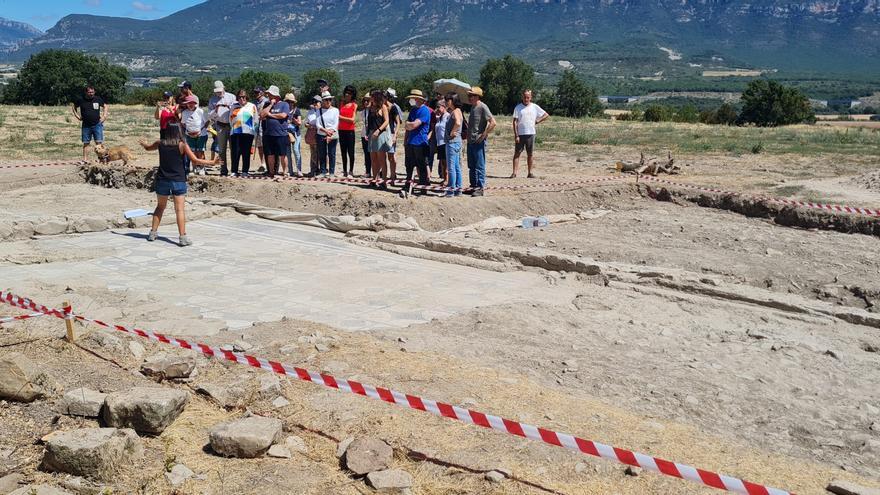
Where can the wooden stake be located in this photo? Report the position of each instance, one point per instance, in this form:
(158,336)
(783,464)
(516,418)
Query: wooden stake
(67,321)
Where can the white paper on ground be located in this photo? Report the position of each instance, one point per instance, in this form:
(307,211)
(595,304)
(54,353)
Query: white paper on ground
(136,213)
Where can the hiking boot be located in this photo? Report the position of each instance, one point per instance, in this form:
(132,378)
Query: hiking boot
(184,241)
(477,192)
(152,236)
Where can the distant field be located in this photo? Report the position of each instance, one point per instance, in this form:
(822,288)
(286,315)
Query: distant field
(28,132)
(850,124)
(732,73)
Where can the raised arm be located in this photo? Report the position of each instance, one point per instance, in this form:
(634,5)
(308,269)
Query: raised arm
(150,147)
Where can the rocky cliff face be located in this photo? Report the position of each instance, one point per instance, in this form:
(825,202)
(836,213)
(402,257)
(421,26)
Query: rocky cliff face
(358,31)
(12,32)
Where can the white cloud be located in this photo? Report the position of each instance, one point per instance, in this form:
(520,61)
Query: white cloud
(143,7)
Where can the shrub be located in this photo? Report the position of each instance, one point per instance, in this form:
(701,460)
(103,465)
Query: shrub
(54,77)
(769,104)
(503,80)
(658,113)
(575,99)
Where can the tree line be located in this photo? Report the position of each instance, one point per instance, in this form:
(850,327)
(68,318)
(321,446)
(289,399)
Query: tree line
(54,77)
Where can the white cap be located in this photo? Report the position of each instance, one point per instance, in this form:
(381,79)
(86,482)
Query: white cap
(218,87)
(273,90)
(391,92)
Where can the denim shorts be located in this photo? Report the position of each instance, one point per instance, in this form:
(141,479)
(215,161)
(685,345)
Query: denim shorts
(96,131)
(197,143)
(170,188)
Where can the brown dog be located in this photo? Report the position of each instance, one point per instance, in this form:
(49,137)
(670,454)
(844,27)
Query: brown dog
(116,153)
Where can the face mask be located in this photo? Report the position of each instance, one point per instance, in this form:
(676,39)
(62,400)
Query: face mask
(412,102)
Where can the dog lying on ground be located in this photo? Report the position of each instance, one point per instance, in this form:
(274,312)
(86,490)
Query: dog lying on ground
(114,154)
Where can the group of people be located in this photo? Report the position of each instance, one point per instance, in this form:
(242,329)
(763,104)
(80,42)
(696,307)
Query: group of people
(270,126)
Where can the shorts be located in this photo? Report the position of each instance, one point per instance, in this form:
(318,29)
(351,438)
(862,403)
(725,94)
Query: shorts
(441,152)
(275,145)
(215,145)
(527,142)
(96,131)
(170,188)
(381,144)
(197,143)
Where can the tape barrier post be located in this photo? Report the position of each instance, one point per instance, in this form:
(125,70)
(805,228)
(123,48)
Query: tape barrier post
(516,428)
(68,320)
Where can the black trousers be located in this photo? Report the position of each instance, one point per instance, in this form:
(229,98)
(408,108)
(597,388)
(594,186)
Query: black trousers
(346,146)
(417,160)
(241,149)
(365,144)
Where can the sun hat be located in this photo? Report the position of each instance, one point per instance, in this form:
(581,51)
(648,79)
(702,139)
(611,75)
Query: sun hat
(416,93)
(218,87)
(273,90)
(316,99)
(185,84)
(476,91)
(190,99)
(326,95)
(290,97)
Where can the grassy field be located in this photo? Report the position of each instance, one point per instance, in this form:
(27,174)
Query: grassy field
(700,138)
(28,133)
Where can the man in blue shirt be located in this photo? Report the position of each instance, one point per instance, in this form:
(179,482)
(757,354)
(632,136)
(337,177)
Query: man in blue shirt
(416,148)
(275,141)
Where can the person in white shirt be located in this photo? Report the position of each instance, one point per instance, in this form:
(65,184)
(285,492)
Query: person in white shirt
(218,111)
(327,123)
(195,124)
(526,117)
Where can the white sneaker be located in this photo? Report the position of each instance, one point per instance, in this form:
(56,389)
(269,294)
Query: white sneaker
(184,241)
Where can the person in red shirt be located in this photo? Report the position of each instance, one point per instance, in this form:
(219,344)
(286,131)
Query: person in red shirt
(347,112)
(166,114)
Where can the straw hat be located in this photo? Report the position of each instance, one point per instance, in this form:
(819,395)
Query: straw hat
(416,93)
(476,91)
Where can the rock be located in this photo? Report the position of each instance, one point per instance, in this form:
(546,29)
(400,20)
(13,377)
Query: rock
(9,483)
(97,453)
(22,381)
(875,426)
(296,444)
(146,409)
(164,366)
(178,474)
(105,340)
(580,467)
(495,476)
(82,486)
(241,346)
(136,349)
(83,402)
(390,480)
(632,471)
(279,452)
(51,227)
(321,347)
(247,437)
(270,386)
(871,445)
(280,401)
(40,490)
(368,454)
(840,487)
(691,400)
(342,446)
(289,349)
(226,394)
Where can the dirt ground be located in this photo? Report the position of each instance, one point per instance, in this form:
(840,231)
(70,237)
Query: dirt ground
(704,336)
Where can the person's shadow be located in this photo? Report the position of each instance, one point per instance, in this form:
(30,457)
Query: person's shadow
(138,235)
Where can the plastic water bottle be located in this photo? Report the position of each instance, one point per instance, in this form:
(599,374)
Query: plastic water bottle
(534,222)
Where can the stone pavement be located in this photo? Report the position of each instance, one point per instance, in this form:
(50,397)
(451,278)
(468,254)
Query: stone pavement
(247,270)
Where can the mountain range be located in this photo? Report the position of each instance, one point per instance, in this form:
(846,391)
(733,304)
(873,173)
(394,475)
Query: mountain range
(612,38)
(14,32)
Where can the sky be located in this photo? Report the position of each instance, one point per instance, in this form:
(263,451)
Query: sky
(43,14)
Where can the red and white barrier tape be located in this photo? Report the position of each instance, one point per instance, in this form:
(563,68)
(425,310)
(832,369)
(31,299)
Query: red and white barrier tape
(416,187)
(855,210)
(49,164)
(8,319)
(516,428)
